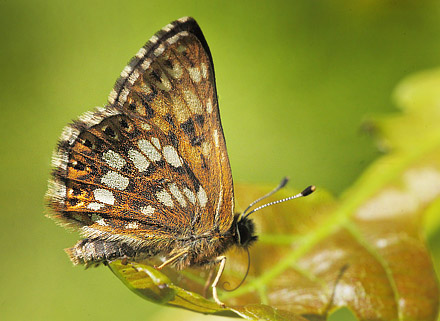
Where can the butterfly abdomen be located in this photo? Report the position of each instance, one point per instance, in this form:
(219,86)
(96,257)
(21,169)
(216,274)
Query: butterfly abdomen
(96,251)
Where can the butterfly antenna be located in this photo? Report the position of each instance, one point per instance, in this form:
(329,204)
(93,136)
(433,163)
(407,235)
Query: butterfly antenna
(307,191)
(276,189)
(245,276)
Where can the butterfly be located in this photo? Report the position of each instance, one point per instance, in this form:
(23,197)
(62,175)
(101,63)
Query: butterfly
(148,174)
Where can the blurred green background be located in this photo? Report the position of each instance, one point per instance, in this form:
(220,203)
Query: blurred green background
(295,82)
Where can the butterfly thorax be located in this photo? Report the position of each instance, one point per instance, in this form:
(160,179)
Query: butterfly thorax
(205,248)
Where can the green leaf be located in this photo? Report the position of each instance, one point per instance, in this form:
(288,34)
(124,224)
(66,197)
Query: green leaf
(364,251)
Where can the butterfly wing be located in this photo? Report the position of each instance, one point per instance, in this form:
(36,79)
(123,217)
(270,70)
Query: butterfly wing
(151,166)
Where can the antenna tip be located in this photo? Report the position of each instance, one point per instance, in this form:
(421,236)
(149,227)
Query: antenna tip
(284,181)
(308,190)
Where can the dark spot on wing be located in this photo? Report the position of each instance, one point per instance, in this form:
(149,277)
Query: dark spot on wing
(188,127)
(167,63)
(197,141)
(204,164)
(88,143)
(155,75)
(110,132)
(79,166)
(200,119)
(123,123)
(173,139)
(169,119)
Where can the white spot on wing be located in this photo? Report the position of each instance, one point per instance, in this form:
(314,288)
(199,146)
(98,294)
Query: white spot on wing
(127,70)
(176,72)
(94,206)
(204,70)
(154,39)
(123,96)
(101,222)
(145,126)
(156,142)
(104,196)
(195,74)
(138,159)
(173,39)
(141,53)
(206,148)
(159,50)
(171,156)
(164,83)
(190,195)
(112,96)
(183,19)
(115,180)
(165,198)
(133,77)
(177,194)
(113,159)
(146,64)
(219,203)
(147,210)
(168,27)
(201,195)
(193,102)
(146,89)
(181,112)
(215,134)
(209,106)
(132,225)
(149,150)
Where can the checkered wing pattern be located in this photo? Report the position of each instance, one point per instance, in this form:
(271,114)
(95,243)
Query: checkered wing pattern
(151,166)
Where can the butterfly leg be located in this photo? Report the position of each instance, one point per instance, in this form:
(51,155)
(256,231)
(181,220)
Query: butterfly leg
(208,281)
(222,261)
(171,260)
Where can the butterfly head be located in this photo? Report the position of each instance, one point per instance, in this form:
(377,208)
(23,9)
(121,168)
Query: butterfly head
(244,228)
(244,231)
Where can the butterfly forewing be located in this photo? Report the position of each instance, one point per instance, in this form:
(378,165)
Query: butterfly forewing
(153,165)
